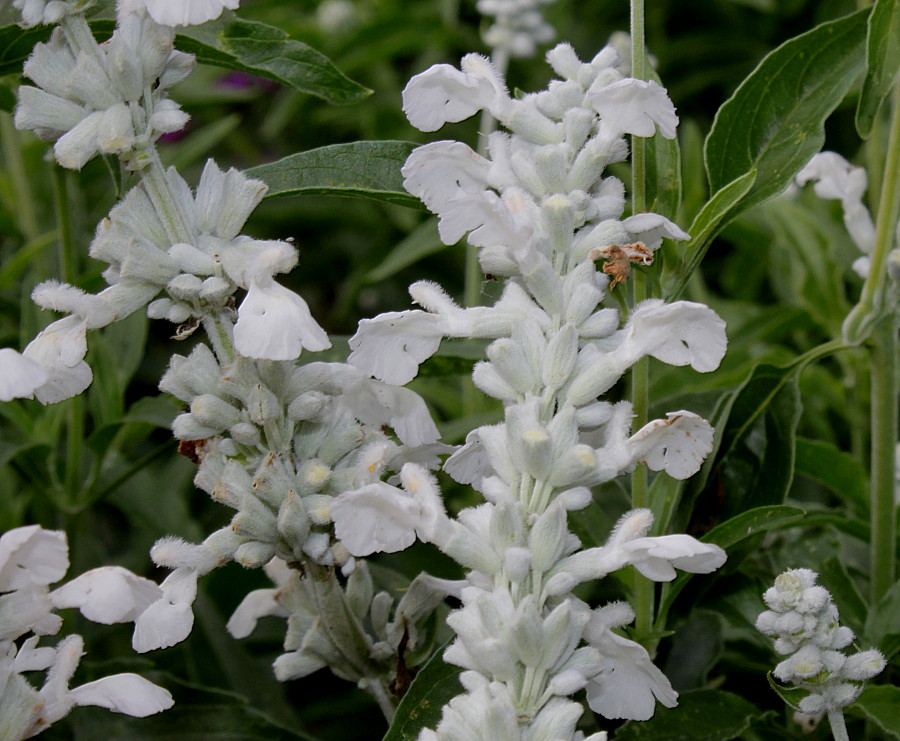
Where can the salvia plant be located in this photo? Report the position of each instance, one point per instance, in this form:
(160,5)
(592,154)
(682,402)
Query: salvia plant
(465,510)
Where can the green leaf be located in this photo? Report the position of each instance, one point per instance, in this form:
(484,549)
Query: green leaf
(701,715)
(421,242)
(882,62)
(753,453)
(775,120)
(663,175)
(881,705)
(696,648)
(883,623)
(850,603)
(434,686)
(730,534)
(250,46)
(791,695)
(366,169)
(840,472)
(713,217)
(16,44)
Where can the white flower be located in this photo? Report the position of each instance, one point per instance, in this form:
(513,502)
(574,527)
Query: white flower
(168,620)
(682,333)
(258,603)
(636,107)
(19,376)
(392,345)
(60,349)
(383,518)
(650,228)
(109,594)
(35,12)
(443,94)
(32,556)
(185,12)
(678,444)
(836,178)
(123,693)
(628,684)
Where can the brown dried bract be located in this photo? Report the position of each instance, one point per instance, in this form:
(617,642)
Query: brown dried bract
(193,450)
(618,258)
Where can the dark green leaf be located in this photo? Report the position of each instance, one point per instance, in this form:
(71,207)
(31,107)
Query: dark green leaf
(774,122)
(791,695)
(434,686)
(713,217)
(267,51)
(696,648)
(882,62)
(881,705)
(884,621)
(850,603)
(366,169)
(731,533)
(701,715)
(16,44)
(833,468)
(753,453)
(422,241)
(7,98)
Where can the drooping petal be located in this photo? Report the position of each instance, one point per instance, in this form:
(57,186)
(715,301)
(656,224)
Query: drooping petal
(60,349)
(379,403)
(678,444)
(391,346)
(274,323)
(109,594)
(258,603)
(31,555)
(636,107)
(19,376)
(187,12)
(682,333)
(375,518)
(658,557)
(124,693)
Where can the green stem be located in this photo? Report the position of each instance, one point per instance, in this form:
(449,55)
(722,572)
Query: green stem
(871,306)
(15,164)
(640,373)
(68,262)
(883,462)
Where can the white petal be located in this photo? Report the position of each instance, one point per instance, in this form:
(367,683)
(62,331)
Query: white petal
(124,693)
(656,557)
(636,107)
(375,518)
(19,376)
(162,625)
(257,604)
(32,556)
(187,12)
(683,333)
(377,403)
(274,323)
(444,94)
(391,346)
(107,595)
(678,444)
(60,349)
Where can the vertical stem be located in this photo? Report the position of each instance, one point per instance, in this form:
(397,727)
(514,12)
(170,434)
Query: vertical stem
(640,373)
(68,264)
(15,164)
(883,463)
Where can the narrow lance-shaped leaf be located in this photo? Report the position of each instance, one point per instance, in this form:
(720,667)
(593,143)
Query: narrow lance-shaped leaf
(774,122)
(267,51)
(882,62)
(366,169)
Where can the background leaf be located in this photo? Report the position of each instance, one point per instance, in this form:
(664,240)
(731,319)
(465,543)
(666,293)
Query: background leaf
(701,715)
(367,169)
(882,62)
(881,705)
(774,122)
(260,49)
(434,686)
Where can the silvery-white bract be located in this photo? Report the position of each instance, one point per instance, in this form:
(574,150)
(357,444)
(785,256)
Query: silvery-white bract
(31,559)
(543,213)
(108,98)
(806,627)
(36,12)
(178,12)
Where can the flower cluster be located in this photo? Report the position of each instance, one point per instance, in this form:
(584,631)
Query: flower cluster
(805,625)
(542,212)
(31,559)
(518,26)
